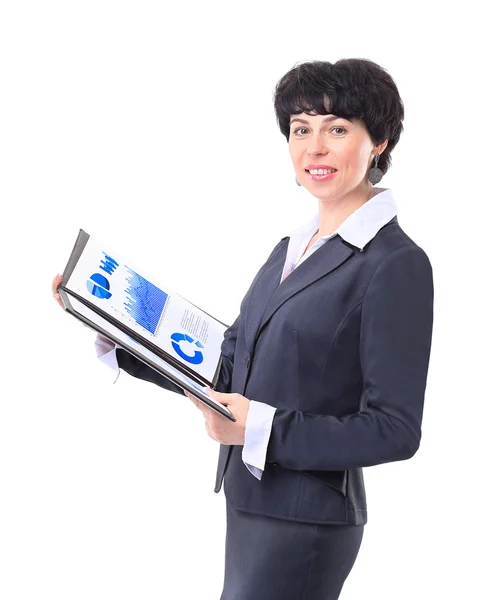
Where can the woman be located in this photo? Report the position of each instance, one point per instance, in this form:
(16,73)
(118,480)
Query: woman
(325,367)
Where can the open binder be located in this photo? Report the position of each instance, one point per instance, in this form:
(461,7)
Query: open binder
(156,325)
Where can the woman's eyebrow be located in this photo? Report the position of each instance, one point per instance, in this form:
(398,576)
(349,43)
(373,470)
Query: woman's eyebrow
(326,120)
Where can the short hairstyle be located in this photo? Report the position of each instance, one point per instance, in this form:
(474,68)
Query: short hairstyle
(351,88)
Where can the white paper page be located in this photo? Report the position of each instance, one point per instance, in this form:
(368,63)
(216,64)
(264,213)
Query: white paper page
(156,313)
(128,341)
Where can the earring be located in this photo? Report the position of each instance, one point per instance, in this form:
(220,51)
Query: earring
(375,174)
(297,181)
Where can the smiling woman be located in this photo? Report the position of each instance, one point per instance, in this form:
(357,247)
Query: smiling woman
(360,320)
(325,367)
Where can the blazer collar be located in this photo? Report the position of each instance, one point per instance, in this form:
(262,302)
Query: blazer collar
(362,225)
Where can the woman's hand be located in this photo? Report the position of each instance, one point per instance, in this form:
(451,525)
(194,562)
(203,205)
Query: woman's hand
(218,427)
(55,282)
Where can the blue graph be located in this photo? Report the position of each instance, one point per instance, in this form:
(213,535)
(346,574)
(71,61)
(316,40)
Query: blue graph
(109,264)
(145,301)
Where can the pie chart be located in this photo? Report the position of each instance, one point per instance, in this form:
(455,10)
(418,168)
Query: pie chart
(197,357)
(99,286)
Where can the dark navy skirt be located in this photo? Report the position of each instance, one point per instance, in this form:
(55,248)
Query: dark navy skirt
(275,559)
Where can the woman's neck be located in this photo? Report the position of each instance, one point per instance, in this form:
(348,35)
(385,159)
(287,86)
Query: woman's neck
(334,213)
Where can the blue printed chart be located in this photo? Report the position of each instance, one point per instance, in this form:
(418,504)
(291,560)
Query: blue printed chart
(145,302)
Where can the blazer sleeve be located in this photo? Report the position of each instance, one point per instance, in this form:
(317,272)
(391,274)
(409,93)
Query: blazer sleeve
(395,342)
(137,368)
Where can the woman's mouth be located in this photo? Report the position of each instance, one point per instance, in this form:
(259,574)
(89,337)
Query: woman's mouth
(321,174)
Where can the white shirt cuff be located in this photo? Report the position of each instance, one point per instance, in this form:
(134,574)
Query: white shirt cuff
(105,351)
(257,433)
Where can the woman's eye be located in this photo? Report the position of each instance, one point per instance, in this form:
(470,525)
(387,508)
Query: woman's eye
(299,130)
(341,128)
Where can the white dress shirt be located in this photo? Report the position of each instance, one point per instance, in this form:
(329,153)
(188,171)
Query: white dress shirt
(358,229)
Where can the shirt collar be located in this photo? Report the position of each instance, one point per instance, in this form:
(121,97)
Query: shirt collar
(363,224)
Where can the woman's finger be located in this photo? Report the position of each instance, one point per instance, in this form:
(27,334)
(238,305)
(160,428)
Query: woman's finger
(55,282)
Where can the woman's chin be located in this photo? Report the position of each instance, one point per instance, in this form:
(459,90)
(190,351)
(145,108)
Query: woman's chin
(322,192)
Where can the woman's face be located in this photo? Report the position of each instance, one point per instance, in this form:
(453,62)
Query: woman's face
(330,143)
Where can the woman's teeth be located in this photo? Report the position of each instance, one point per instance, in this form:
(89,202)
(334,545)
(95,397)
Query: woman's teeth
(321,171)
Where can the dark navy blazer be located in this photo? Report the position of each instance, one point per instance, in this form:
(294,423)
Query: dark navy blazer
(341,348)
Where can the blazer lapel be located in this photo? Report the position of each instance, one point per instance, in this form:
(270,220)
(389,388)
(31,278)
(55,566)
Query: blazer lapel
(270,294)
(265,285)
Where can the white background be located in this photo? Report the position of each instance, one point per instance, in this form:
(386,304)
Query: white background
(152,126)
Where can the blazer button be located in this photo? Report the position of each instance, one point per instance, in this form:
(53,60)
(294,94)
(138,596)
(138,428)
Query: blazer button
(247,361)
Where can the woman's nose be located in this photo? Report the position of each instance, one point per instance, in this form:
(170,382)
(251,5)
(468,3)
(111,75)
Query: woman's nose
(317,145)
